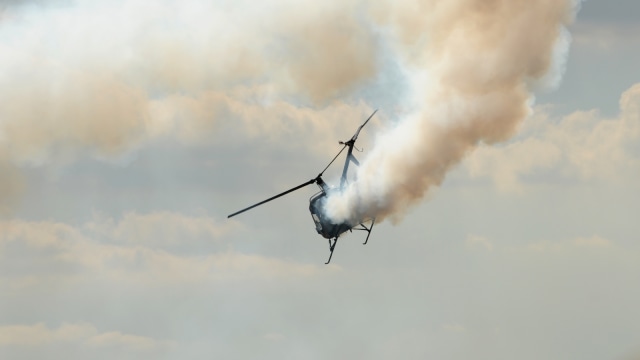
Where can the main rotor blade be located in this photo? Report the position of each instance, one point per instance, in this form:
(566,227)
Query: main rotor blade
(355,136)
(273,197)
(334,159)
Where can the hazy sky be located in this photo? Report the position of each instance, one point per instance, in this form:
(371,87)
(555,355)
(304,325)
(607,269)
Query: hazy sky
(130,129)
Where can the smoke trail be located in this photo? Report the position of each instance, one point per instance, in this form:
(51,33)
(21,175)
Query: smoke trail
(481,59)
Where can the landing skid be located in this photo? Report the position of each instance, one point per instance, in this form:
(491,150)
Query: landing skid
(362,227)
(331,248)
(367,229)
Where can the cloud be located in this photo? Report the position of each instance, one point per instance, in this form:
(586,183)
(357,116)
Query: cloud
(115,338)
(138,249)
(605,36)
(555,246)
(507,164)
(454,328)
(101,79)
(39,334)
(275,337)
(105,77)
(254,113)
(73,334)
(159,229)
(11,186)
(478,241)
(594,242)
(581,145)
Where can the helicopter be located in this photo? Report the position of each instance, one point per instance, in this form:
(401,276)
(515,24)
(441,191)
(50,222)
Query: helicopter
(324,226)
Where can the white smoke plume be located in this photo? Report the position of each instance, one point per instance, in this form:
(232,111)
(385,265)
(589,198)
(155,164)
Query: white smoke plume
(476,65)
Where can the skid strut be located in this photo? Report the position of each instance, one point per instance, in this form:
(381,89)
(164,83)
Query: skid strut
(367,229)
(331,248)
(332,245)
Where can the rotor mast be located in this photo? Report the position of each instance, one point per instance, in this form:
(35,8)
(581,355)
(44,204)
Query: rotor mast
(350,158)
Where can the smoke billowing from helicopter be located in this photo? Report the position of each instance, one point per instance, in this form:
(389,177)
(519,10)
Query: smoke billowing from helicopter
(479,62)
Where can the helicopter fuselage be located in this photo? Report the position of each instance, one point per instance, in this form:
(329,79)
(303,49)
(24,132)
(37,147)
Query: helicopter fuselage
(324,225)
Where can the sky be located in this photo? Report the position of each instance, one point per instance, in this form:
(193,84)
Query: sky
(130,129)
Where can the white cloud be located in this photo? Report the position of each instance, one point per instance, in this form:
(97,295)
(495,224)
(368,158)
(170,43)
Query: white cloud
(594,242)
(557,246)
(580,146)
(160,229)
(103,77)
(605,36)
(136,249)
(72,334)
(115,338)
(24,335)
(474,241)
(454,328)
(274,336)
